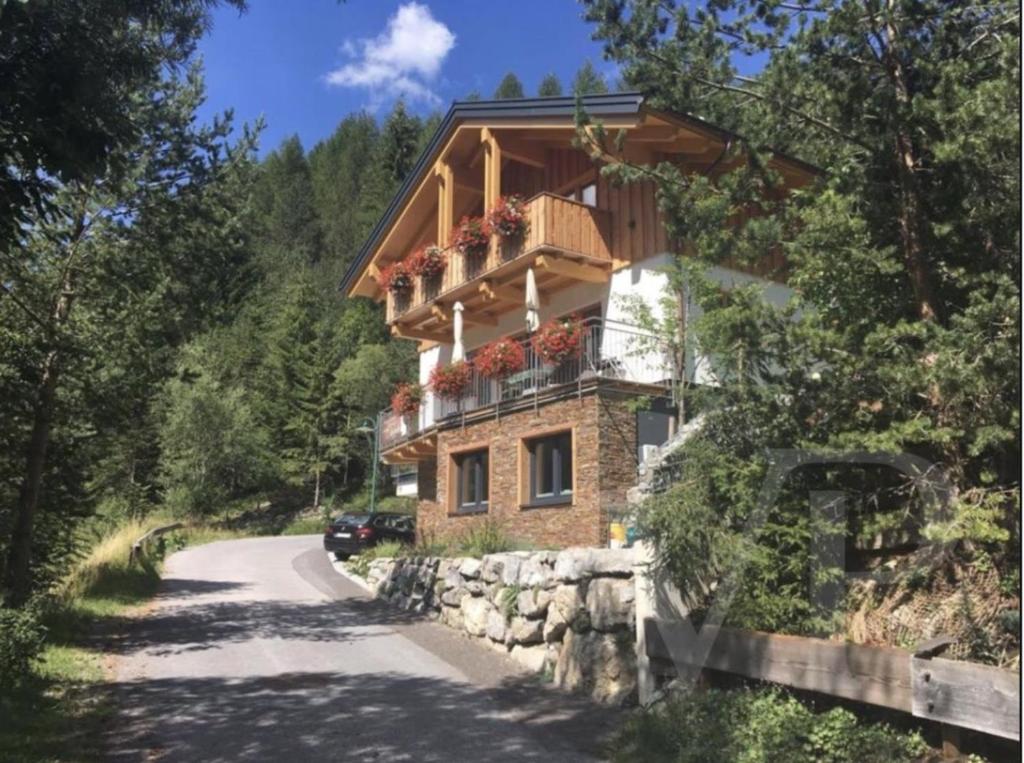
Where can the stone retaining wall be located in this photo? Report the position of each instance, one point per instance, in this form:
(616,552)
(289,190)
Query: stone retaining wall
(568,614)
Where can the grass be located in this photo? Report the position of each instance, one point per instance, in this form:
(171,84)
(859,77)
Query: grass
(62,712)
(306,525)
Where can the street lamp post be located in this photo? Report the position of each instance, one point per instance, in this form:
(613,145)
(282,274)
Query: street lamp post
(369,428)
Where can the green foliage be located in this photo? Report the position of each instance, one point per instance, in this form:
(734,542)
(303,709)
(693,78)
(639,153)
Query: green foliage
(508,601)
(360,564)
(588,81)
(487,537)
(550,86)
(21,640)
(509,87)
(758,725)
(903,256)
(211,447)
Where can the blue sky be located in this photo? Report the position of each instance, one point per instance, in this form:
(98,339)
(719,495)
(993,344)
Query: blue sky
(305,64)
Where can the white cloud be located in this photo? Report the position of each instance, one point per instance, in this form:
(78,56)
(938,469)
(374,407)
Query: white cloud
(402,60)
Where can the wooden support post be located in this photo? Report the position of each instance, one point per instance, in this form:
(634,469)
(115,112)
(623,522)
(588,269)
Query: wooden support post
(492,167)
(575,270)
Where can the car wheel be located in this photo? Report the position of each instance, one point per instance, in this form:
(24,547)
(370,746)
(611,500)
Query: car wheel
(341,556)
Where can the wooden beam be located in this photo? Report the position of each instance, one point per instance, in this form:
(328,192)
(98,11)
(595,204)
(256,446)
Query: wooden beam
(441,312)
(426,344)
(574,270)
(523,152)
(507,293)
(407,332)
(479,319)
(492,167)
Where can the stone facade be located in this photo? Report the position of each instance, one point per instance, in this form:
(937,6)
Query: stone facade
(569,614)
(605,460)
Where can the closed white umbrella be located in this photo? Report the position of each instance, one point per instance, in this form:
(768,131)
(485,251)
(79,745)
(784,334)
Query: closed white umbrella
(532,302)
(458,351)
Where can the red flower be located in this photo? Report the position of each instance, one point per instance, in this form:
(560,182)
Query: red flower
(395,277)
(451,381)
(427,261)
(559,339)
(500,358)
(471,236)
(508,217)
(406,399)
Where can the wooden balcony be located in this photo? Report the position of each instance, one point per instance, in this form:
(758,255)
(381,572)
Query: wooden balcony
(567,242)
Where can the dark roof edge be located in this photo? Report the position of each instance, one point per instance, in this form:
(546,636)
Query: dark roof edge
(596,105)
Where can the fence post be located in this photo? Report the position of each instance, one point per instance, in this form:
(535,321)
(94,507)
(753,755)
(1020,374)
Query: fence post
(646,607)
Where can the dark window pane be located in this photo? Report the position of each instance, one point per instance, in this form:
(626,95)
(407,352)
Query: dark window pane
(565,459)
(471,480)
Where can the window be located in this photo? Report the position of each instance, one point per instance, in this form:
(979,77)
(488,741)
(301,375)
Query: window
(584,194)
(471,481)
(550,465)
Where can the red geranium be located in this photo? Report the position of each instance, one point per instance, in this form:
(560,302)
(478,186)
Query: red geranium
(508,217)
(500,358)
(427,261)
(471,236)
(396,277)
(451,381)
(559,339)
(406,399)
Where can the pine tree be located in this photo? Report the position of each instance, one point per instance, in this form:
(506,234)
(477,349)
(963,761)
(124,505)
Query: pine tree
(549,86)
(588,81)
(509,87)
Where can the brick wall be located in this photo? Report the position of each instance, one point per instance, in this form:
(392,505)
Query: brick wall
(604,442)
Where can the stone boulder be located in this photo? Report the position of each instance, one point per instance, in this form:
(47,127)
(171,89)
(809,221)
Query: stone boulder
(566,610)
(532,658)
(598,664)
(475,611)
(496,626)
(453,597)
(523,631)
(452,617)
(470,569)
(575,564)
(537,570)
(533,602)
(611,603)
(502,568)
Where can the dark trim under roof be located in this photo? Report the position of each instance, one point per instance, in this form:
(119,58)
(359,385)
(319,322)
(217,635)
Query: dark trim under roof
(519,108)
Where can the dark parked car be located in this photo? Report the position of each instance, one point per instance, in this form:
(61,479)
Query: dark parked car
(351,533)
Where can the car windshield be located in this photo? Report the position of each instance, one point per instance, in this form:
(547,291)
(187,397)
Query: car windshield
(353,519)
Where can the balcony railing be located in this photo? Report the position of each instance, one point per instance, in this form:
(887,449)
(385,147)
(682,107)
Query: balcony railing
(556,224)
(611,351)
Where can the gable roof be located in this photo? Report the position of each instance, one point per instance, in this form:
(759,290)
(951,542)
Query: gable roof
(596,106)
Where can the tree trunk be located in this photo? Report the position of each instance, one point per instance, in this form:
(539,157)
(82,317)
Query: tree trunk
(679,361)
(905,155)
(18,573)
(17,577)
(316,490)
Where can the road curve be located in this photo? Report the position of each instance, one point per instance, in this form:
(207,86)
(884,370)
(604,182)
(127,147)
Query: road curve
(258,650)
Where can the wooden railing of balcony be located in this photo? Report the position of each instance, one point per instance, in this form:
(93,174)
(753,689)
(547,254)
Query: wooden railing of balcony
(557,224)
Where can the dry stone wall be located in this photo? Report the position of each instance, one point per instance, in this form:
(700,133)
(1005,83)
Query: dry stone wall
(568,614)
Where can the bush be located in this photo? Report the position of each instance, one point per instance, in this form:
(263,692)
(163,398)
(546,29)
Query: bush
(21,641)
(488,537)
(756,725)
(360,565)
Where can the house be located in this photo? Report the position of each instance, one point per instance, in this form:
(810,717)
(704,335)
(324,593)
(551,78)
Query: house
(548,447)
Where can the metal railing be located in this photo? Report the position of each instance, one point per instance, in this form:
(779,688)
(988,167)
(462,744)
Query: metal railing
(610,351)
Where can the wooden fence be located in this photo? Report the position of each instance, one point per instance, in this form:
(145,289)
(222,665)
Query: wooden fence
(960,694)
(139,546)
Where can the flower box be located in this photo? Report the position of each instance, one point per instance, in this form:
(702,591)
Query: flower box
(406,399)
(500,358)
(451,381)
(559,339)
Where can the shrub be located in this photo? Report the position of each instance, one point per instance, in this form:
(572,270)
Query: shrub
(508,217)
(500,358)
(406,399)
(488,537)
(471,236)
(764,724)
(427,262)
(360,564)
(559,339)
(396,277)
(451,381)
(21,641)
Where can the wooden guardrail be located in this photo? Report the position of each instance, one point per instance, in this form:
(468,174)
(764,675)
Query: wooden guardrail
(138,547)
(961,694)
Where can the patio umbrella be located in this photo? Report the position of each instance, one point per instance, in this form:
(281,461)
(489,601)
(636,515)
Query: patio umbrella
(458,351)
(532,302)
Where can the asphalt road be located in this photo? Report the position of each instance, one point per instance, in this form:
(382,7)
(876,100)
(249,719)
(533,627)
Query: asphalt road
(259,650)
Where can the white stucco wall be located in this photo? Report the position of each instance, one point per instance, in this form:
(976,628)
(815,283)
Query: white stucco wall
(645,280)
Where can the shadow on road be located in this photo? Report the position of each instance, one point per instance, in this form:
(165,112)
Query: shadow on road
(345,717)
